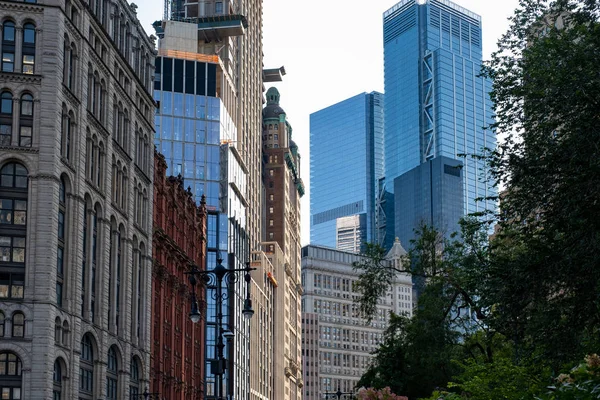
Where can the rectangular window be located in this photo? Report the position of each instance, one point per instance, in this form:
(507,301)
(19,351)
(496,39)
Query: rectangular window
(219,7)
(25,136)
(13,212)
(5,134)
(8,62)
(11,285)
(28,63)
(270,222)
(12,249)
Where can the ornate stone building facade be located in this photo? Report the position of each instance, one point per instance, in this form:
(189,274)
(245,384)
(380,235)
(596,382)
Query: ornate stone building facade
(75,210)
(276,373)
(337,342)
(179,239)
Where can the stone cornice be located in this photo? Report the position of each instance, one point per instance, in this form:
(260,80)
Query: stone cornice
(70,96)
(118,149)
(99,63)
(96,124)
(20,78)
(29,7)
(141,174)
(45,177)
(19,149)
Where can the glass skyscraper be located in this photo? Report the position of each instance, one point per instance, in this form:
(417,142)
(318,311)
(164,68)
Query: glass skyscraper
(194,131)
(346,162)
(436,104)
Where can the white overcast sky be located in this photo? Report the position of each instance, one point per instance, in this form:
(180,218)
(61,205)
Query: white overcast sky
(332,50)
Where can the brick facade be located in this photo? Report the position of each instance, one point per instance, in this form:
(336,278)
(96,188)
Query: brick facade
(177,366)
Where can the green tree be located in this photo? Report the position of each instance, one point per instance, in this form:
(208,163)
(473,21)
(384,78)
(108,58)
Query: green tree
(543,281)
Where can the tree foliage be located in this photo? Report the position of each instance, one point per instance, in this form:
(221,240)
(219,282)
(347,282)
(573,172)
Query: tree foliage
(545,276)
(534,288)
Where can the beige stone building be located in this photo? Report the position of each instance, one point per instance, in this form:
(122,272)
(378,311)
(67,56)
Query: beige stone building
(275,356)
(337,342)
(75,199)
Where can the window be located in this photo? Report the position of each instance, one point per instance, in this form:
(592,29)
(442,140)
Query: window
(134,383)
(18,324)
(219,7)
(86,369)
(26,120)
(57,381)
(66,133)
(6,118)
(60,250)
(2,317)
(111,375)
(270,222)
(10,376)
(69,60)
(270,210)
(8,46)
(13,211)
(28,49)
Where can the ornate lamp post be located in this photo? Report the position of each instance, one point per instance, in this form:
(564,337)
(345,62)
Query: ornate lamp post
(215,278)
(337,394)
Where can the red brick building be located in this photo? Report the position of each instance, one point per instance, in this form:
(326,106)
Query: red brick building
(177,349)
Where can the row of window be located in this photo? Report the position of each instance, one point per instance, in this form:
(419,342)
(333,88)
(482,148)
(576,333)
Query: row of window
(14,48)
(17,324)
(11,370)
(23,126)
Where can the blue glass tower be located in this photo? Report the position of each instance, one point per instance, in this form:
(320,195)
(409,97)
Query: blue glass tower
(436,105)
(194,131)
(346,162)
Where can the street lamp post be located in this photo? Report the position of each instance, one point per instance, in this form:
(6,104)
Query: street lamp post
(338,394)
(216,276)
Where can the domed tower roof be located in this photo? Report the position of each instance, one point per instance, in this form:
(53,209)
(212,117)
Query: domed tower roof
(272,110)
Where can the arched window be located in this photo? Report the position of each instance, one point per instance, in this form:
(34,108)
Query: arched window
(28,49)
(57,381)
(86,369)
(60,249)
(140,269)
(57,331)
(6,118)
(26,120)
(8,46)
(18,324)
(95,252)
(69,59)
(112,379)
(10,375)
(66,133)
(134,381)
(65,333)
(13,229)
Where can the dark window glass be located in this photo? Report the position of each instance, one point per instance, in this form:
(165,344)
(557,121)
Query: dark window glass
(7,103)
(13,212)
(189,77)
(18,324)
(28,34)
(200,78)
(8,32)
(211,87)
(167,74)
(178,75)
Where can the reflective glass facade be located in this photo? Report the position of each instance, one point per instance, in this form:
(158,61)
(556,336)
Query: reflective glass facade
(436,105)
(194,132)
(346,161)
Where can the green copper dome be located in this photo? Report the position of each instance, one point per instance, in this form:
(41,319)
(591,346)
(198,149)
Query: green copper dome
(272,110)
